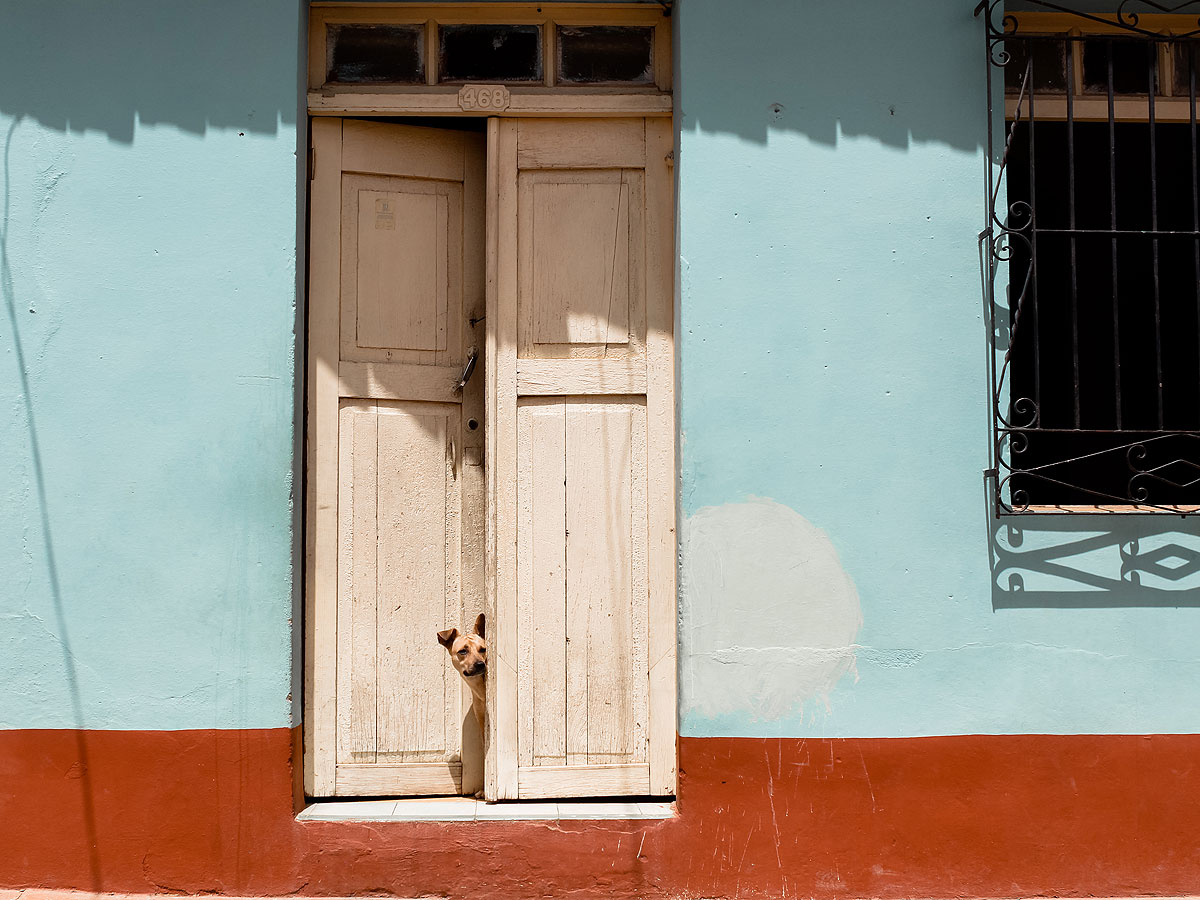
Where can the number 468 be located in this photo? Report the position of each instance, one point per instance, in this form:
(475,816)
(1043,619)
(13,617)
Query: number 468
(483,97)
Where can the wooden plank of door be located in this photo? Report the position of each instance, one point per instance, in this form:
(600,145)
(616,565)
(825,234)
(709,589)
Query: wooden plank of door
(424,153)
(561,377)
(358,540)
(539,782)
(381,780)
(606,552)
(399,381)
(418,695)
(541,572)
(600,683)
(581,144)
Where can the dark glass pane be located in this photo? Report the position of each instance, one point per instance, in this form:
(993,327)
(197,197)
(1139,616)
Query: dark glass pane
(605,53)
(1134,66)
(1049,63)
(491,53)
(1110,322)
(1187,60)
(366,53)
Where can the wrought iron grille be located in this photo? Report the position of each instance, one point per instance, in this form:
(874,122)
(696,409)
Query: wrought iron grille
(1091,257)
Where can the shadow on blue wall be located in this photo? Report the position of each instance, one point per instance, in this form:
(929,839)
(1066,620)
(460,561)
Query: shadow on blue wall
(1093,562)
(77,65)
(897,72)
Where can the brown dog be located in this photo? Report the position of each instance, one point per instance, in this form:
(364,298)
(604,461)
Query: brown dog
(468,653)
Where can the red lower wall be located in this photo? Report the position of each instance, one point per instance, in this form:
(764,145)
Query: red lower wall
(996,816)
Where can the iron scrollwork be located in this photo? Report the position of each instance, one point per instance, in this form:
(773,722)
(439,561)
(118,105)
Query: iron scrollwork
(1108,469)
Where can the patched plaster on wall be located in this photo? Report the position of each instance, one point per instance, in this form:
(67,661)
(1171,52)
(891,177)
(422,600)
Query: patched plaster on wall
(768,616)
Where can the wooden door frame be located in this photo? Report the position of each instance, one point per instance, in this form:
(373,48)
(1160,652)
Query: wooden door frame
(321,448)
(326,110)
(545,99)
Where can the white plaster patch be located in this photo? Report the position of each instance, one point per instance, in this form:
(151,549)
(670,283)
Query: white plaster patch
(768,616)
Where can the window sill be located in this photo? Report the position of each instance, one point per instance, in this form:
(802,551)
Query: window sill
(1105,509)
(467,809)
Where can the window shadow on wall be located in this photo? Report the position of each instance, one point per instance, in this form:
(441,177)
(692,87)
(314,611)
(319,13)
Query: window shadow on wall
(1094,562)
(79,65)
(897,72)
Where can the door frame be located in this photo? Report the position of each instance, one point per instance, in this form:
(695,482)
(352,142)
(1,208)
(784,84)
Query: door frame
(324,103)
(530,99)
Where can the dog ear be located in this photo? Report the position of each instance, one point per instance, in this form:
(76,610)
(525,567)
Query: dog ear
(479,623)
(446,638)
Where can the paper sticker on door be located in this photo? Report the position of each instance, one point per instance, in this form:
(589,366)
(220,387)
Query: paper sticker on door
(385,215)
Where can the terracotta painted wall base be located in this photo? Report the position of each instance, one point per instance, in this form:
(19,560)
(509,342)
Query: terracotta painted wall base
(984,816)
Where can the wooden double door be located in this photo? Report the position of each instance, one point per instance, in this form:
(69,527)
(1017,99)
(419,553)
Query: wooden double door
(490,429)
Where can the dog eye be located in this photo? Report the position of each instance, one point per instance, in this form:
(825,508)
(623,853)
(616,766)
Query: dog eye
(462,652)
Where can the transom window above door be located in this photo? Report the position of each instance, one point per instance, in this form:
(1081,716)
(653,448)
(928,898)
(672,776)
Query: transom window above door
(517,45)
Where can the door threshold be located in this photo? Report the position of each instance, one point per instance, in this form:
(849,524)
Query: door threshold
(468,809)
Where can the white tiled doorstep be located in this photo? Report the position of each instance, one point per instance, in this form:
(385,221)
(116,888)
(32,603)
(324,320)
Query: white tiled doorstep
(467,809)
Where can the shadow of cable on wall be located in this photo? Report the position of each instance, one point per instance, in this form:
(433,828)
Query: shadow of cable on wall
(1094,562)
(70,670)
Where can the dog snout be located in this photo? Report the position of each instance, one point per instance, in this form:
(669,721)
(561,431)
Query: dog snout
(477,669)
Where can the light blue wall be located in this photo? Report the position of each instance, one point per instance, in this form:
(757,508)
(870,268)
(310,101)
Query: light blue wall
(148,221)
(840,572)
(832,359)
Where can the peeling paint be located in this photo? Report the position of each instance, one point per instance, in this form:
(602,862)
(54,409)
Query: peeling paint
(771,616)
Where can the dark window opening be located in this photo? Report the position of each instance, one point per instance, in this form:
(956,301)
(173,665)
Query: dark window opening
(1049,64)
(490,53)
(1096,234)
(1106,351)
(1134,65)
(1186,62)
(598,54)
(376,53)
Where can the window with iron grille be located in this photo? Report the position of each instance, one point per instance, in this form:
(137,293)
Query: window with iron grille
(1092,258)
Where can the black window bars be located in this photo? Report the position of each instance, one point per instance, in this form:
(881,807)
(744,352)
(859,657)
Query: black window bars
(1091,258)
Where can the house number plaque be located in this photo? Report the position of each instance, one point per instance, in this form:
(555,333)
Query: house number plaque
(487,97)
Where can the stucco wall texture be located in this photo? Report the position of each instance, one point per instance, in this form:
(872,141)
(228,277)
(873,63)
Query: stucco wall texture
(148,252)
(832,362)
(832,389)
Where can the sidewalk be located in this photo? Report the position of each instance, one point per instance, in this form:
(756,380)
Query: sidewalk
(42,894)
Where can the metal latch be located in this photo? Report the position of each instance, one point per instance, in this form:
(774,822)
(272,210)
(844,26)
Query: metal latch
(468,369)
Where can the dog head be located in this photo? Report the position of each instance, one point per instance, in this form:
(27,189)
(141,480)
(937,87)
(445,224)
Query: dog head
(468,652)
